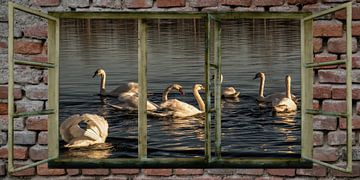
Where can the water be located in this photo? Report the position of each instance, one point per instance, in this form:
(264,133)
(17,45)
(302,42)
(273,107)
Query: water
(176,55)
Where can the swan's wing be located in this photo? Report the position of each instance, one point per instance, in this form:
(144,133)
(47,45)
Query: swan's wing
(179,106)
(65,128)
(97,126)
(123,88)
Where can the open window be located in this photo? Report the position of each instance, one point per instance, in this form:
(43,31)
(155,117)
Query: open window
(212,26)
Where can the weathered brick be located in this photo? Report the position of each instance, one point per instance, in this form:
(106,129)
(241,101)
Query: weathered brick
(170,3)
(355,170)
(332,76)
(188,172)
(45,77)
(316,171)
(316,105)
(37,122)
(18,123)
(203,3)
(26,105)
(249,9)
(134,4)
(356,153)
(2,169)
(158,172)
(284,9)
(73,172)
(237,177)
(3,108)
(43,170)
(355,60)
(358,107)
(46,3)
(27,75)
(76,3)
(207,177)
(355,76)
(36,31)
(328,28)
(3,138)
(268,178)
(317,45)
(318,138)
(268,2)
(355,122)
(250,171)
(355,28)
(325,57)
(245,3)
(324,122)
(334,106)
(125,171)
(339,92)
(302,2)
(220,171)
(40,58)
(27,47)
(355,13)
(24,137)
(37,92)
(281,172)
(326,153)
(26,172)
(338,45)
(20,152)
(95,172)
(38,152)
(4,92)
(43,138)
(216,9)
(338,138)
(322,91)
(107,3)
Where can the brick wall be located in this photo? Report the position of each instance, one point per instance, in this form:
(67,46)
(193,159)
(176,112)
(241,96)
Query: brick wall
(31,89)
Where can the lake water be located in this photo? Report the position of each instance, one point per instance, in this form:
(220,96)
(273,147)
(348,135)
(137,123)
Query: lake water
(176,55)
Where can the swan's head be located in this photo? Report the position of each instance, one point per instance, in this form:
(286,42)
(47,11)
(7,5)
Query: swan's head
(179,88)
(198,87)
(221,78)
(288,78)
(133,86)
(99,72)
(259,75)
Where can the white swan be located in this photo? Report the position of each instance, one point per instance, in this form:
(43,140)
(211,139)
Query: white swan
(271,97)
(229,92)
(181,109)
(285,104)
(130,101)
(96,130)
(129,87)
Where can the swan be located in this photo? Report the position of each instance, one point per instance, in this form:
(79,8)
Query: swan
(96,130)
(181,109)
(229,92)
(285,104)
(271,97)
(129,87)
(130,101)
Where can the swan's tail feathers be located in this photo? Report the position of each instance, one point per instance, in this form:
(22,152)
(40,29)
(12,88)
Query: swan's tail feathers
(120,108)
(90,133)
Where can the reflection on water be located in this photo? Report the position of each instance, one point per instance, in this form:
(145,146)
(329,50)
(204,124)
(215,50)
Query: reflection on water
(175,55)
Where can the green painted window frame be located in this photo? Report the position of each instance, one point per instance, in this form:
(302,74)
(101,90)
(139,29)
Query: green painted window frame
(213,32)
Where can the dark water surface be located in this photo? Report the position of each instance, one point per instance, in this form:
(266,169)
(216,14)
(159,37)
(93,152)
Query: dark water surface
(176,55)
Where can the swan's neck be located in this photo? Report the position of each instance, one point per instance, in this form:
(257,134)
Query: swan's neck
(165,93)
(261,88)
(288,88)
(199,100)
(102,84)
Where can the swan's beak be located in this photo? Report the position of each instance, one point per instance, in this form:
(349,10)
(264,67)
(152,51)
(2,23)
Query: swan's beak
(181,92)
(95,74)
(256,76)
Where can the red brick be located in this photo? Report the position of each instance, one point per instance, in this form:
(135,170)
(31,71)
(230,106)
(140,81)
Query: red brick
(334,106)
(268,178)
(95,172)
(332,76)
(43,138)
(355,28)
(125,171)
(207,177)
(245,3)
(355,122)
(203,3)
(250,171)
(327,28)
(186,172)
(3,45)
(46,3)
(355,13)
(268,2)
(324,122)
(317,45)
(302,1)
(315,8)
(134,4)
(38,152)
(316,171)
(3,108)
(339,92)
(27,47)
(218,171)
(338,45)
(355,171)
(336,138)
(158,172)
(4,92)
(358,108)
(170,3)
(2,169)
(26,172)
(43,170)
(325,153)
(40,59)
(355,60)
(73,172)
(37,123)
(281,172)
(20,152)
(36,31)
(322,91)
(236,177)
(325,57)
(318,138)
(316,105)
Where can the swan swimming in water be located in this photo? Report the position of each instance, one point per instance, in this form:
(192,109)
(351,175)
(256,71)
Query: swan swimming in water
(271,97)
(129,87)
(285,104)
(96,130)
(229,92)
